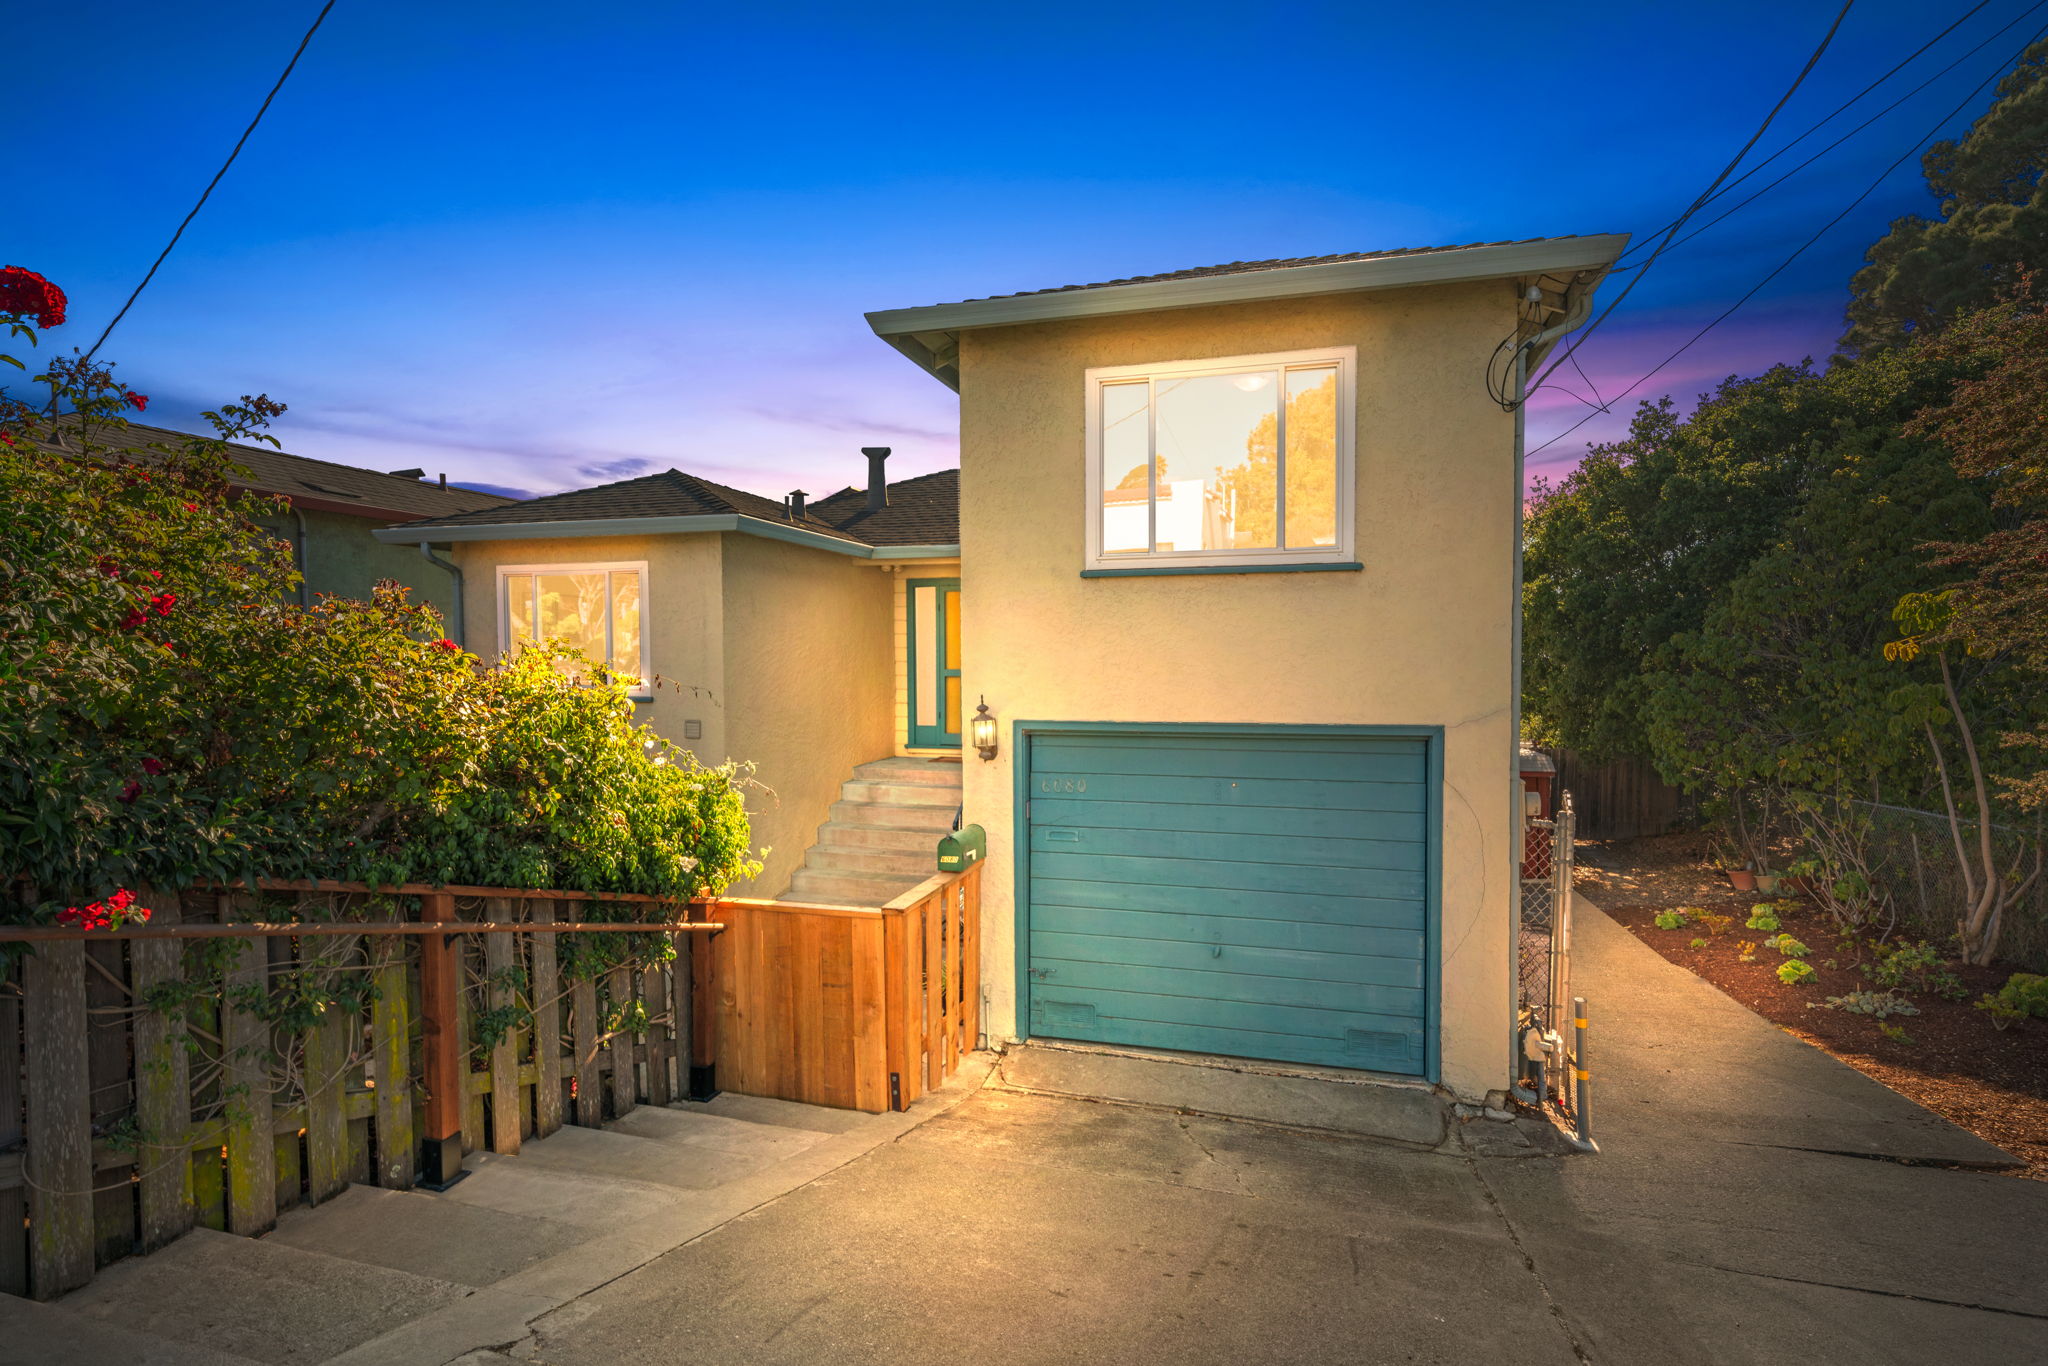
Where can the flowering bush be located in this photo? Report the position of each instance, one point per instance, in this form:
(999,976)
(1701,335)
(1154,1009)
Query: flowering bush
(174,716)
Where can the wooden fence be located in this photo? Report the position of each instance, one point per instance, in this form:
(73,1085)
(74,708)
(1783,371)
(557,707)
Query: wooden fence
(209,1070)
(246,1052)
(836,1005)
(1619,800)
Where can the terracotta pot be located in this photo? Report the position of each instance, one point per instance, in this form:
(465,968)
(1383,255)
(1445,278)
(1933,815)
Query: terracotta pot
(1767,883)
(1742,879)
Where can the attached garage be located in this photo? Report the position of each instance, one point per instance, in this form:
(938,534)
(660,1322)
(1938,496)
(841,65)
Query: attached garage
(1259,893)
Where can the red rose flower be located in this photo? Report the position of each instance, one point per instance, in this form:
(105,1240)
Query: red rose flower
(131,792)
(136,616)
(191,507)
(27,294)
(164,602)
(152,766)
(137,401)
(446,645)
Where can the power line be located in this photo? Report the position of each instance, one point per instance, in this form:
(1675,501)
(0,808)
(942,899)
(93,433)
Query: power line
(1845,105)
(2023,14)
(1697,204)
(318,19)
(1800,250)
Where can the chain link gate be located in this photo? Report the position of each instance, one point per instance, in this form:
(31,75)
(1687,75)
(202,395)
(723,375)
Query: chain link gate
(1543,939)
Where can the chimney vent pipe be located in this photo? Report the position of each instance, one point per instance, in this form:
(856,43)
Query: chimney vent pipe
(796,505)
(878,478)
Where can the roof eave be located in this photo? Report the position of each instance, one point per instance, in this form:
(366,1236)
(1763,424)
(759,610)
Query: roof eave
(414,533)
(909,329)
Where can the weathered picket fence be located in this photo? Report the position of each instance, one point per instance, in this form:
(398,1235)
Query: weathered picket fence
(250,1050)
(247,1051)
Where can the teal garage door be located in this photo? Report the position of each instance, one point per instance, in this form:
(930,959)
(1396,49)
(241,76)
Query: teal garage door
(1252,895)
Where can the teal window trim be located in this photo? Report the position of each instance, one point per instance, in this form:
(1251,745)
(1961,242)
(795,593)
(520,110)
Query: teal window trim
(1021,734)
(922,736)
(1154,571)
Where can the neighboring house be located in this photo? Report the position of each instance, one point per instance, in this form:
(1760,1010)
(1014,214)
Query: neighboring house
(333,510)
(1237,568)
(810,639)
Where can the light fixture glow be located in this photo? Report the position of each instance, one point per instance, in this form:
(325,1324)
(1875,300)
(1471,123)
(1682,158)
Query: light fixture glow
(982,731)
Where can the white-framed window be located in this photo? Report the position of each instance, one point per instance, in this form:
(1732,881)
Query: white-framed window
(597,608)
(1240,460)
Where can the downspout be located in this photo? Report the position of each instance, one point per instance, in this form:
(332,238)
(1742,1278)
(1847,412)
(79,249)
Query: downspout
(299,556)
(1580,309)
(454,573)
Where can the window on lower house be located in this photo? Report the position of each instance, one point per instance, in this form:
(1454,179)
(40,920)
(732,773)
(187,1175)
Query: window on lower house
(1244,460)
(594,608)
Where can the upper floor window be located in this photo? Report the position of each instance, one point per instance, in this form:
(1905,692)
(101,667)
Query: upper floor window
(1215,463)
(593,607)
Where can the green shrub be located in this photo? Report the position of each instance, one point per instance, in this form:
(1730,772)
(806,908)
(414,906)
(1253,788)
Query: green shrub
(1916,965)
(174,716)
(1698,944)
(1762,916)
(1670,920)
(1896,1033)
(1877,1004)
(1787,945)
(1792,972)
(2024,995)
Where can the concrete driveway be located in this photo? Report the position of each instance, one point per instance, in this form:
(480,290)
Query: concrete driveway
(1725,1222)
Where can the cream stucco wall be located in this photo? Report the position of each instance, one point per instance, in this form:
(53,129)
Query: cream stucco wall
(807,685)
(1420,637)
(779,652)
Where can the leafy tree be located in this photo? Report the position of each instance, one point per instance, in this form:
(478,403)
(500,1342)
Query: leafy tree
(1992,228)
(1311,473)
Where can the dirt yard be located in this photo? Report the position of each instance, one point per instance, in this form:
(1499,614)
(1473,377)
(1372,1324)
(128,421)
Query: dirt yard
(1949,1057)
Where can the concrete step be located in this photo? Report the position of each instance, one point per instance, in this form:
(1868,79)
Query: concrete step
(916,863)
(881,816)
(255,1298)
(935,773)
(893,793)
(838,888)
(846,835)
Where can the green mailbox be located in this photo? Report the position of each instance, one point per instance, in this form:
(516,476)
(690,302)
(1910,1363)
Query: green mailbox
(962,849)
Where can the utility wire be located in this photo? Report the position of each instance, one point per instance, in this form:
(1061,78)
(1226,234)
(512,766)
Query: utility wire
(1800,250)
(2023,14)
(1697,204)
(318,19)
(1845,105)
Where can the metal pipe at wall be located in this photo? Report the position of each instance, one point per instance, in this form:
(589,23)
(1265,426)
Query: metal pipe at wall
(456,632)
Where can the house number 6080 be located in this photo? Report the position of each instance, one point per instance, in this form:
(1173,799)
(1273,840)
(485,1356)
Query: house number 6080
(1062,784)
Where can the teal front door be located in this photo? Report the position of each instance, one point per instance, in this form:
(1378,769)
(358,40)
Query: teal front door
(933,661)
(1262,895)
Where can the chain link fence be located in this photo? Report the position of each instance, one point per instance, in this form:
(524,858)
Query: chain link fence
(1543,938)
(1913,856)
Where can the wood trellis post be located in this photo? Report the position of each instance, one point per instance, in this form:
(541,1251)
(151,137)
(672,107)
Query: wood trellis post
(443,1055)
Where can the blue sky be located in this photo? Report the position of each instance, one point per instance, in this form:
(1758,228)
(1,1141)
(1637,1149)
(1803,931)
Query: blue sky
(539,246)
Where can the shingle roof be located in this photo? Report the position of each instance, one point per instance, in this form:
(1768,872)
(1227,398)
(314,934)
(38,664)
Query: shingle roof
(379,495)
(1278,263)
(922,511)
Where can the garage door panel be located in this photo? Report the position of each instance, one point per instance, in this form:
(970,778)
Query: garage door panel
(1400,821)
(1216,957)
(1258,895)
(1253,991)
(1394,855)
(1213,873)
(1286,764)
(1138,787)
(1382,1043)
(1243,932)
(1383,912)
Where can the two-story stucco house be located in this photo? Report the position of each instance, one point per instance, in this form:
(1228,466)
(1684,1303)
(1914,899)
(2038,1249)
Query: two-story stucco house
(1233,560)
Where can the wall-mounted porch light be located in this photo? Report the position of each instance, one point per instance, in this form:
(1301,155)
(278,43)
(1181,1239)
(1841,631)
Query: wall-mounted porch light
(982,731)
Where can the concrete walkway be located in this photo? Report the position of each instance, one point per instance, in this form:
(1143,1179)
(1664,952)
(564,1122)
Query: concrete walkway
(1755,1202)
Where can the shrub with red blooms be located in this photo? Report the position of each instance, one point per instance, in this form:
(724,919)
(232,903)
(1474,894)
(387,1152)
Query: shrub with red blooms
(28,295)
(172,715)
(110,914)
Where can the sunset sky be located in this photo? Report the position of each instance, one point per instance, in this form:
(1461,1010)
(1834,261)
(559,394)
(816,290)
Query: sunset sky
(540,246)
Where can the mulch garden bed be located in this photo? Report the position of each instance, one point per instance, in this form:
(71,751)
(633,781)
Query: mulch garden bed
(1953,1060)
